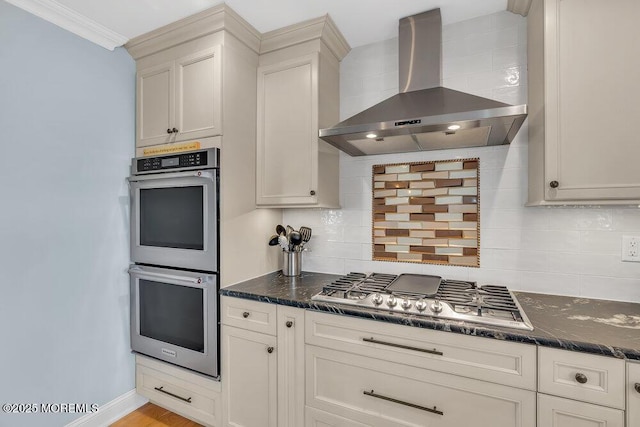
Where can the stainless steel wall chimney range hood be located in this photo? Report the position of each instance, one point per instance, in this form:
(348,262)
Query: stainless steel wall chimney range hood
(425,115)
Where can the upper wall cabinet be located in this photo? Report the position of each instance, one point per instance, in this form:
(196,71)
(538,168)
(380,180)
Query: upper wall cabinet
(584,144)
(179,100)
(298,93)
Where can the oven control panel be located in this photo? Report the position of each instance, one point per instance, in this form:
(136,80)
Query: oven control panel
(189,160)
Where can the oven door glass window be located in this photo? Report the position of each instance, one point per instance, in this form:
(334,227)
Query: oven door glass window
(172,313)
(172,217)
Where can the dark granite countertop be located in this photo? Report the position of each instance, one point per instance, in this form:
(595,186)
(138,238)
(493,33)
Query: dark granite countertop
(608,328)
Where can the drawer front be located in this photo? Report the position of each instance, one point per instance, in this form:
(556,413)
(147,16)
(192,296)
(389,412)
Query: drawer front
(384,394)
(581,376)
(633,394)
(560,412)
(485,359)
(247,314)
(180,391)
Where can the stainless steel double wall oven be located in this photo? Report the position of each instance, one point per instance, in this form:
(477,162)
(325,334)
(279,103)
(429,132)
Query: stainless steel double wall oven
(175,248)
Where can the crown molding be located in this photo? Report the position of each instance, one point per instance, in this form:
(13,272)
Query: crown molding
(521,7)
(209,21)
(72,21)
(322,28)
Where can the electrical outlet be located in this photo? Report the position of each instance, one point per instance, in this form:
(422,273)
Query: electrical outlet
(631,248)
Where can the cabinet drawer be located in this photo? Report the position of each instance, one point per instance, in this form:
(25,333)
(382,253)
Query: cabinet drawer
(384,394)
(580,376)
(558,412)
(247,314)
(179,390)
(480,358)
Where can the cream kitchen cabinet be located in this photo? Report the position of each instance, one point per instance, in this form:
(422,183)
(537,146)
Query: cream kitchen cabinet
(580,390)
(180,99)
(361,372)
(184,392)
(633,394)
(583,138)
(298,93)
(262,356)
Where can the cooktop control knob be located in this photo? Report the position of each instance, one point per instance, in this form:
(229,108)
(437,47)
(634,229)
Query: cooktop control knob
(436,307)
(406,304)
(376,299)
(392,301)
(421,305)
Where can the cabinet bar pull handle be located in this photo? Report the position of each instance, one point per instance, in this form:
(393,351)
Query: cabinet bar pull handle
(637,387)
(160,389)
(433,410)
(406,347)
(581,378)
(245,314)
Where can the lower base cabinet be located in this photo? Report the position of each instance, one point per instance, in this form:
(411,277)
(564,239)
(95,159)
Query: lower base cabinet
(249,372)
(559,412)
(379,393)
(191,395)
(633,394)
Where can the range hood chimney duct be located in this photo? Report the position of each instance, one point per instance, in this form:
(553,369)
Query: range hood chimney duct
(425,115)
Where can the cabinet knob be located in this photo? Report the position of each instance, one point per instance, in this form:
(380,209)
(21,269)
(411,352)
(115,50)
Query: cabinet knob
(581,378)
(269,350)
(174,130)
(289,324)
(312,192)
(246,314)
(637,387)
(554,184)
(169,131)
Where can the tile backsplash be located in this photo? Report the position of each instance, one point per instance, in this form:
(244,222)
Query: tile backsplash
(568,251)
(426,212)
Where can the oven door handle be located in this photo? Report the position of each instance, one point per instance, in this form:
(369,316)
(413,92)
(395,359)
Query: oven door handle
(195,280)
(204,174)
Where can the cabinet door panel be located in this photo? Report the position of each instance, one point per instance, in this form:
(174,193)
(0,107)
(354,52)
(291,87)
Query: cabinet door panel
(558,412)
(290,366)
(154,106)
(198,110)
(633,394)
(249,378)
(287,132)
(592,142)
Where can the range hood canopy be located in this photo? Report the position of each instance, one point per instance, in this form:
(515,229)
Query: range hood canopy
(425,115)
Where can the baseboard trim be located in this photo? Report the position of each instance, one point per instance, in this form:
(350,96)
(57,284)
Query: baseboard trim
(111,411)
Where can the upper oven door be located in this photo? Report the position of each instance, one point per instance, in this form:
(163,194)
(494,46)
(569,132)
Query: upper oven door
(174,219)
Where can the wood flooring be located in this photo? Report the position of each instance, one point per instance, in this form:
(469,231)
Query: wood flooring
(150,415)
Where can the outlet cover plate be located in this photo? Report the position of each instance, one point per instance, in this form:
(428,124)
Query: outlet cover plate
(631,248)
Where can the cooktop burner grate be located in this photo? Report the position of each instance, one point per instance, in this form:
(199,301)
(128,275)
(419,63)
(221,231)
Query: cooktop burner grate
(454,299)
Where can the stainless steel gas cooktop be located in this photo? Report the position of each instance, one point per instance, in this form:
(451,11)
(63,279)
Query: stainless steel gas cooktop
(431,296)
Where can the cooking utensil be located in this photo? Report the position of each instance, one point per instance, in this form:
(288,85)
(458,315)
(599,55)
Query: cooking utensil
(280,230)
(289,230)
(294,240)
(274,240)
(305,233)
(284,242)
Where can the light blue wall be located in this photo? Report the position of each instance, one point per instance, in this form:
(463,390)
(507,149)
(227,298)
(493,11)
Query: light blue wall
(66,137)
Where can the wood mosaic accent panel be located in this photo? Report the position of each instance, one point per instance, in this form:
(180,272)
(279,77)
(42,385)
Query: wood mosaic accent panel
(427,212)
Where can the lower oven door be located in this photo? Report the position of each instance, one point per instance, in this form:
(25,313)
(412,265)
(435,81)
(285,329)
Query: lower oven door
(174,317)
(174,219)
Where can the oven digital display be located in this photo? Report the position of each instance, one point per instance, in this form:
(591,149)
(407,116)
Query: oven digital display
(172,161)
